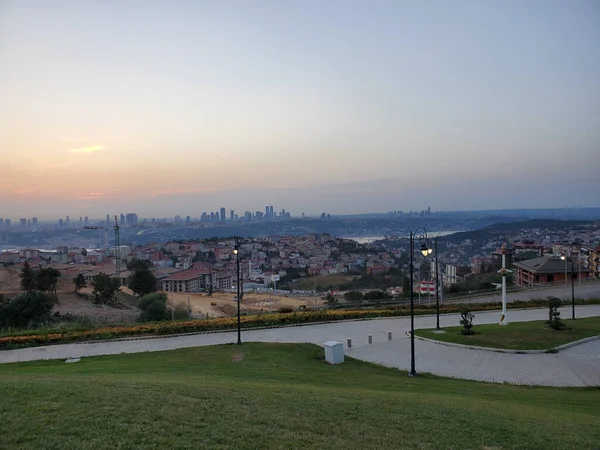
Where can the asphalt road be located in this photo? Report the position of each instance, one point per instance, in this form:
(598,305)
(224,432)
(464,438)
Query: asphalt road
(575,366)
(585,291)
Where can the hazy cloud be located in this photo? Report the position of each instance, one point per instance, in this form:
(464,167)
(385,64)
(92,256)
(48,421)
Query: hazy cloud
(87,150)
(90,196)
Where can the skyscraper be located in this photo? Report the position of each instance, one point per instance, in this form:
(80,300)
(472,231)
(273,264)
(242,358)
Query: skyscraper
(23,223)
(271,212)
(7,223)
(34,221)
(231,214)
(1,223)
(222,214)
(107,220)
(266,212)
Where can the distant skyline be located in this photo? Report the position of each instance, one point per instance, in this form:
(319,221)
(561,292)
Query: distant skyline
(180,107)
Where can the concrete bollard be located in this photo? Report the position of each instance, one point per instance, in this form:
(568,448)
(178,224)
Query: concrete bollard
(370,339)
(349,343)
(389,335)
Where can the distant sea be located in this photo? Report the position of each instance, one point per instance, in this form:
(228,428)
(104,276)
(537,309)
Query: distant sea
(369,239)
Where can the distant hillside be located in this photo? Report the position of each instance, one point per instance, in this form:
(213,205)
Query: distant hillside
(513,227)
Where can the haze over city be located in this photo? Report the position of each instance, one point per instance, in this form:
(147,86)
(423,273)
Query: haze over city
(346,107)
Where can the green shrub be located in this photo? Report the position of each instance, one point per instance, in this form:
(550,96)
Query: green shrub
(374,295)
(181,312)
(466,320)
(154,307)
(554,320)
(285,310)
(29,309)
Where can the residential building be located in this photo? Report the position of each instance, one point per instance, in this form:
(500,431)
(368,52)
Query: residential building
(522,251)
(545,270)
(193,280)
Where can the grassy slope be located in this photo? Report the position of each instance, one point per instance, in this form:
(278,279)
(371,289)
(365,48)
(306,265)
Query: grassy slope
(281,396)
(520,335)
(321,281)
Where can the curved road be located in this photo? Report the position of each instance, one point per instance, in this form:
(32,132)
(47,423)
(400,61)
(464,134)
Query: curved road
(587,290)
(576,366)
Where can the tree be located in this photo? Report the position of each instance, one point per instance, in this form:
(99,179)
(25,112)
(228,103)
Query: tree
(46,280)
(142,282)
(153,307)
(138,264)
(330,298)
(27,276)
(105,289)
(353,296)
(79,283)
(25,310)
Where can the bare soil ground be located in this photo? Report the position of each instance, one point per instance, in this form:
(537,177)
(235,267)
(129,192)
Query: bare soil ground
(71,303)
(225,304)
(218,305)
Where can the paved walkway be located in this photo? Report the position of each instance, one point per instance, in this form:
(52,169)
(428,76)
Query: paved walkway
(576,366)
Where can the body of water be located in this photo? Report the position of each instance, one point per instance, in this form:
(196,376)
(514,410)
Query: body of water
(369,239)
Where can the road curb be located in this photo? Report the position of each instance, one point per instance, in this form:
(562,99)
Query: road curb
(508,350)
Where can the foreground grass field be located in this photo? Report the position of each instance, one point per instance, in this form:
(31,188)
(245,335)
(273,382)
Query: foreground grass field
(519,335)
(277,396)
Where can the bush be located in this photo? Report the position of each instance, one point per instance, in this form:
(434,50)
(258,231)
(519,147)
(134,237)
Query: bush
(466,320)
(181,312)
(374,295)
(554,320)
(29,309)
(285,310)
(353,296)
(154,307)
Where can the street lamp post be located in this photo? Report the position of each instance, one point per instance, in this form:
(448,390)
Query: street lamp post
(425,250)
(437,286)
(564,258)
(236,252)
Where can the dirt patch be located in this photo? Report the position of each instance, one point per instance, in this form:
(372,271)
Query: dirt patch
(238,357)
(222,304)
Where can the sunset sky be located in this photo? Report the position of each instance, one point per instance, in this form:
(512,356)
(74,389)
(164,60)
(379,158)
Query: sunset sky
(177,107)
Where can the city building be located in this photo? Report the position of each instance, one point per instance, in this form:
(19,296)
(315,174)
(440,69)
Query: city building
(522,251)
(497,259)
(545,270)
(193,280)
(222,214)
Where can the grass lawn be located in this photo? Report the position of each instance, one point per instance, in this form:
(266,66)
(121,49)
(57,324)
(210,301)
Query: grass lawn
(519,335)
(277,396)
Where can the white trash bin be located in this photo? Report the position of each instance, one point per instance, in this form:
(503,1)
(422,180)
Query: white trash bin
(334,352)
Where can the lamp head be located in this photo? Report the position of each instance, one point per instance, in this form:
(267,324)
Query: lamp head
(235,250)
(563,257)
(424,249)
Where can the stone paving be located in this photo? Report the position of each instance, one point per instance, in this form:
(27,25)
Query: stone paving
(575,366)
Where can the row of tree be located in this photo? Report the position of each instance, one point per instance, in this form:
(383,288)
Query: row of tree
(44,279)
